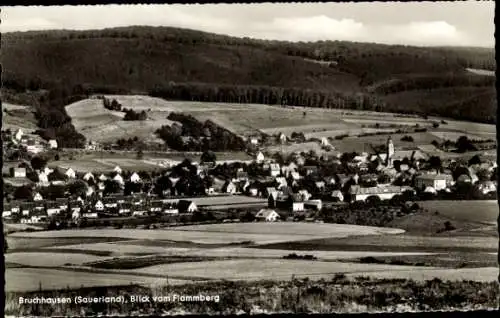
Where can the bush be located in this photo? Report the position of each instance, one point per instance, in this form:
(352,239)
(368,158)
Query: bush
(407,138)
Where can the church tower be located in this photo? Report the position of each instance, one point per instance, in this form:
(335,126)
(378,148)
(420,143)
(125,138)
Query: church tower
(390,152)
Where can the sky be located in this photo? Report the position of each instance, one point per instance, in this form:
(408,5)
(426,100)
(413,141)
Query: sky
(469,23)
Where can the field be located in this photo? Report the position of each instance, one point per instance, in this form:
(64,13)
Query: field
(477,211)
(52,259)
(18,116)
(31,279)
(225,233)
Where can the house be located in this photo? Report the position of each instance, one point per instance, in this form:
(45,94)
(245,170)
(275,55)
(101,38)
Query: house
(156,207)
(37,196)
(281,182)
(99,206)
(102,177)
(253,191)
(90,215)
(358,193)
(34,149)
(304,195)
(274,169)
(337,195)
(186,206)
(270,191)
(88,176)
(53,144)
(430,189)
(110,202)
(70,173)
(320,185)
(437,181)
(125,208)
(90,191)
(254,141)
(313,204)
(229,187)
(119,179)
(259,157)
(53,208)
(295,175)
(7,211)
(18,172)
(117,169)
(135,178)
(267,215)
(170,208)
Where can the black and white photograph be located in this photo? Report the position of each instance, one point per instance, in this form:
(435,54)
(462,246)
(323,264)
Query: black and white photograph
(259,158)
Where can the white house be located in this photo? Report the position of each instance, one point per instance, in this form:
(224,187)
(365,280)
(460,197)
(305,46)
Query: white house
(99,206)
(274,169)
(229,187)
(47,170)
(430,189)
(281,181)
(70,173)
(254,141)
(135,177)
(253,191)
(186,206)
(88,176)
(90,191)
(90,215)
(34,149)
(102,177)
(437,181)
(118,170)
(53,144)
(53,210)
(118,178)
(267,215)
(260,157)
(298,206)
(18,172)
(338,195)
(37,197)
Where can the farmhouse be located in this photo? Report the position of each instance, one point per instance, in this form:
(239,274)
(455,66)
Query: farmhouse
(102,177)
(267,215)
(119,179)
(437,181)
(384,193)
(282,138)
(117,169)
(170,208)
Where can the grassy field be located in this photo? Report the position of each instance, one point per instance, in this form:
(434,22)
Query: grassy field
(476,211)
(51,259)
(18,116)
(260,233)
(31,279)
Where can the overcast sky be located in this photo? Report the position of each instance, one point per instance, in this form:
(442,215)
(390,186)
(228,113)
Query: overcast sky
(468,23)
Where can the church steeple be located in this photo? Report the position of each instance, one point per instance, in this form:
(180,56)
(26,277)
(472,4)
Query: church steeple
(390,152)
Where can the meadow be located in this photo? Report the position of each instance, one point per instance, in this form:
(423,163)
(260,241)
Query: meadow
(484,211)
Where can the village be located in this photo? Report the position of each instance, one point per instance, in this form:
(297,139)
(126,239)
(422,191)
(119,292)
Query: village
(270,188)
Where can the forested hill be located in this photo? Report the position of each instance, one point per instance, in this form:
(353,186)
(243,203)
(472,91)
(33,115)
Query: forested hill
(192,65)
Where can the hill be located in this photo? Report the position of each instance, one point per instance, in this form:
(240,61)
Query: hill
(180,64)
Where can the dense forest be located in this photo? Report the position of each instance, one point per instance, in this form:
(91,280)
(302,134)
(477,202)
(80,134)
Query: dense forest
(49,68)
